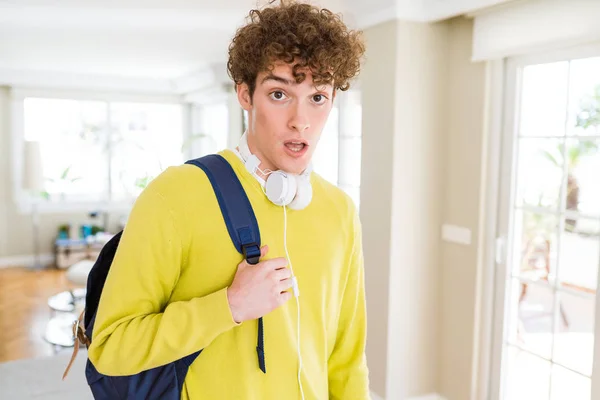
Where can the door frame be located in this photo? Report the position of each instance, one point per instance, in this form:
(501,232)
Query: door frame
(486,240)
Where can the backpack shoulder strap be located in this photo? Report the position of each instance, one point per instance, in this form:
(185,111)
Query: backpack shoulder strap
(239,218)
(235,206)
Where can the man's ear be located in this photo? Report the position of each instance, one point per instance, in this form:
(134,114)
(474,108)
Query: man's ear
(243,94)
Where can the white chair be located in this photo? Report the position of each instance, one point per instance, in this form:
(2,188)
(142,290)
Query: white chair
(66,306)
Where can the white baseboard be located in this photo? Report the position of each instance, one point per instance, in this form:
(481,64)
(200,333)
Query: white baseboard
(375,396)
(25,260)
(433,396)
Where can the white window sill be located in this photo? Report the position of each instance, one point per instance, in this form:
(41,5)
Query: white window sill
(72,207)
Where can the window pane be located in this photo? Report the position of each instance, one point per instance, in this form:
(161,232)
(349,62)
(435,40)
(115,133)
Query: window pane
(325,157)
(574,337)
(539,173)
(583,191)
(352,114)
(72,136)
(530,319)
(569,385)
(146,139)
(527,376)
(353,192)
(544,99)
(535,246)
(215,123)
(579,254)
(350,160)
(584,97)
(209,130)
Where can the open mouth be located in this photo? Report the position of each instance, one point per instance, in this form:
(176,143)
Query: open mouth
(296,147)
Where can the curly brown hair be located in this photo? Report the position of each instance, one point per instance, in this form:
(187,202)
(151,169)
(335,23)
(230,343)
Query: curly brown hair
(299,34)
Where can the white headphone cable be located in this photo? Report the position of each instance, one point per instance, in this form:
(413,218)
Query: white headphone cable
(296,294)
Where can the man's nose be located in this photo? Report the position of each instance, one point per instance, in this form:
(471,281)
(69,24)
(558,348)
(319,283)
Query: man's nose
(299,120)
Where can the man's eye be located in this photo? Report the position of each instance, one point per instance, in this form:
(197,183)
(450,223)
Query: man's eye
(319,98)
(277,95)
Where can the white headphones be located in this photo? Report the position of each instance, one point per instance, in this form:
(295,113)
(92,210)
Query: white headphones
(281,188)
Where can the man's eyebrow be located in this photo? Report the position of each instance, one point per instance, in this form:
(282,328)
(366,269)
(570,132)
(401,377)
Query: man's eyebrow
(276,78)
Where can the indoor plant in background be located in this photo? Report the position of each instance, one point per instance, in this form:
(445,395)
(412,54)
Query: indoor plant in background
(142,182)
(63,182)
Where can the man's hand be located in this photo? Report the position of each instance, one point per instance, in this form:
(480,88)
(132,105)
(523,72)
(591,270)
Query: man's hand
(259,289)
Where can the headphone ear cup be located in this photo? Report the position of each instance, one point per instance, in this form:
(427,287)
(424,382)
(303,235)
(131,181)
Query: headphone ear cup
(303,193)
(280,188)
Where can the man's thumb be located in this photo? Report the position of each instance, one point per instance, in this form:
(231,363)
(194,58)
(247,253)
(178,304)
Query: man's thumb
(264,250)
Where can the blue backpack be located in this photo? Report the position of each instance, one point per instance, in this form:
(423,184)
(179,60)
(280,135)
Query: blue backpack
(166,382)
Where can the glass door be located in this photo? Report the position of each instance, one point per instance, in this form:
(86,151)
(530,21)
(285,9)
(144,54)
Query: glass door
(549,232)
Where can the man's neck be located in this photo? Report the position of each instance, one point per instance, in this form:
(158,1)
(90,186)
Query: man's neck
(264,165)
(261,166)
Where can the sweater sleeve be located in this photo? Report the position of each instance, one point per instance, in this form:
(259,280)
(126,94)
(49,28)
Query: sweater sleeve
(347,367)
(136,327)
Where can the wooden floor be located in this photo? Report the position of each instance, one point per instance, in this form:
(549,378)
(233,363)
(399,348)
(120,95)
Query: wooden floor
(24,311)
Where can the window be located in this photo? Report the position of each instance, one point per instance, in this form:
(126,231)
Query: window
(550,215)
(210,128)
(351,145)
(325,159)
(99,151)
(145,140)
(338,156)
(104,152)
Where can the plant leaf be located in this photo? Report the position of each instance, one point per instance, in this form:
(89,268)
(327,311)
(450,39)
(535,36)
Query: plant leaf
(65,173)
(550,157)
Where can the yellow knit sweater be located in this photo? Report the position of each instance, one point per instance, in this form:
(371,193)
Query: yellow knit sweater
(166,294)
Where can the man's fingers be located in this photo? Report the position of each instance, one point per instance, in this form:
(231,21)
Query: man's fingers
(284,285)
(275,263)
(281,274)
(284,297)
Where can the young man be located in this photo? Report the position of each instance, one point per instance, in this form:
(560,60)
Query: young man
(177,284)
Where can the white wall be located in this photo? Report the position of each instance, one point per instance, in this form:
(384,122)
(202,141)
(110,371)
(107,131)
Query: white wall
(378,130)
(417,211)
(423,104)
(404,84)
(464,127)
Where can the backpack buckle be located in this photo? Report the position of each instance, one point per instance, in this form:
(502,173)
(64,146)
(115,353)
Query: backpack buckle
(79,333)
(251,253)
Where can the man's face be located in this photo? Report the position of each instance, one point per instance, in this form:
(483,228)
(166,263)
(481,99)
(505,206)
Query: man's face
(285,118)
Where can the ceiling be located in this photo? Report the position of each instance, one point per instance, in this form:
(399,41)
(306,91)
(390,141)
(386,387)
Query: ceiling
(159,39)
